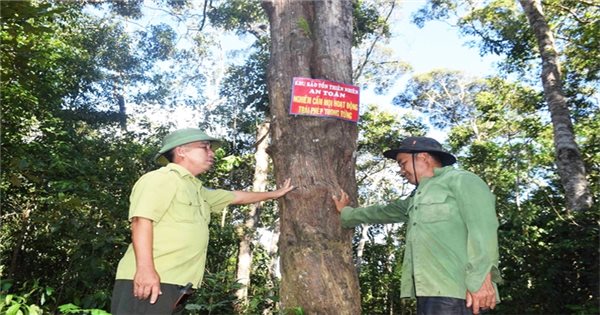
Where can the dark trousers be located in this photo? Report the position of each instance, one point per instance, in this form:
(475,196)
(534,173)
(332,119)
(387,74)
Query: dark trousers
(436,305)
(124,303)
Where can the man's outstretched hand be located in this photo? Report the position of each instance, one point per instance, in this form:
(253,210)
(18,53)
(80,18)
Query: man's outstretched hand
(342,201)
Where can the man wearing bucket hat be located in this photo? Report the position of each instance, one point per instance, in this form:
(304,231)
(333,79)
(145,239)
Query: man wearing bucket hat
(169,213)
(451,255)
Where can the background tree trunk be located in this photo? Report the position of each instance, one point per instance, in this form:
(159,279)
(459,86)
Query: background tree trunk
(360,249)
(570,165)
(312,39)
(248,230)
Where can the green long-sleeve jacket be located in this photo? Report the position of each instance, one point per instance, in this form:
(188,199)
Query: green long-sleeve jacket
(451,240)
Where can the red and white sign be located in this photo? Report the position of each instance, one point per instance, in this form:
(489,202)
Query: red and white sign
(314,97)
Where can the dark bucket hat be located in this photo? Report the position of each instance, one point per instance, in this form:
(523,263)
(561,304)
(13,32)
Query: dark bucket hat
(421,144)
(181,137)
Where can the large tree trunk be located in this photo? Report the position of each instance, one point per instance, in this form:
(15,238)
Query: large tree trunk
(312,39)
(248,230)
(570,165)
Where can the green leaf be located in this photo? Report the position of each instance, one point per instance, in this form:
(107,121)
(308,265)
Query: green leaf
(14,309)
(34,310)
(49,290)
(67,308)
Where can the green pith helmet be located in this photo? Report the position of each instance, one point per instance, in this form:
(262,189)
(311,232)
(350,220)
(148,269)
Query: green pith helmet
(181,137)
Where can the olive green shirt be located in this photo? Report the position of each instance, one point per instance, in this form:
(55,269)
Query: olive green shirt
(179,207)
(451,240)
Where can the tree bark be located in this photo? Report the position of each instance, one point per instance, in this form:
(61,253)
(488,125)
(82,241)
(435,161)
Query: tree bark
(569,162)
(360,249)
(248,230)
(312,39)
(274,273)
(122,112)
(25,214)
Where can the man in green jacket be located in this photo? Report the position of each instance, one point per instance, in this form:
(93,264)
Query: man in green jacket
(451,256)
(170,211)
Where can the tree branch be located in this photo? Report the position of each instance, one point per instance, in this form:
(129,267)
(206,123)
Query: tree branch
(574,14)
(361,67)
